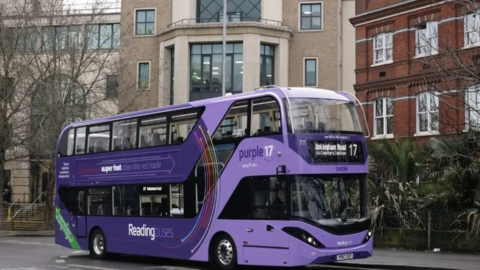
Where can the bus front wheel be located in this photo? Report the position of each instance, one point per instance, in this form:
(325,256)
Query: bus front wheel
(224,253)
(98,244)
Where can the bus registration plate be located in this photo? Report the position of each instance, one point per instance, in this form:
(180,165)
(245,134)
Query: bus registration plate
(346,256)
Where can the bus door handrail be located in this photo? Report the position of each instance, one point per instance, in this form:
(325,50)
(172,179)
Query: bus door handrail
(5,191)
(30,206)
(361,107)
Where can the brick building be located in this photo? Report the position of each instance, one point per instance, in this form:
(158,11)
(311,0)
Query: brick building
(403,52)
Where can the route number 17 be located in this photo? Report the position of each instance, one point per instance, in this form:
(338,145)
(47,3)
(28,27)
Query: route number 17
(353,149)
(268,150)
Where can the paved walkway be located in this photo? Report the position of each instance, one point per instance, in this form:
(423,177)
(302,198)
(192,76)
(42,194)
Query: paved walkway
(418,260)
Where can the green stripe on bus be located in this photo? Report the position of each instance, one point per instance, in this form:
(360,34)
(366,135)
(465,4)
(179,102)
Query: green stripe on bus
(65,228)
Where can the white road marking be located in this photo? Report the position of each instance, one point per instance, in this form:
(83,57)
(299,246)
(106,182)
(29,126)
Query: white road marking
(91,267)
(59,266)
(78,251)
(18,242)
(60,261)
(64,256)
(171,267)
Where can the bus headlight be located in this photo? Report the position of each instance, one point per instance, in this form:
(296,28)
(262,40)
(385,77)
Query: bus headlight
(367,236)
(303,236)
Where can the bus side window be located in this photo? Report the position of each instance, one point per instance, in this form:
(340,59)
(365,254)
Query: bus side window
(72,199)
(124,135)
(99,202)
(125,201)
(265,117)
(181,125)
(235,123)
(154,200)
(80,143)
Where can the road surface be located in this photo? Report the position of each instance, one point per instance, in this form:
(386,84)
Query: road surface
(40,253)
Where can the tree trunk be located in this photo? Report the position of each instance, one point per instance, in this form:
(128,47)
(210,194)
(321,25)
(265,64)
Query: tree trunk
(49,201)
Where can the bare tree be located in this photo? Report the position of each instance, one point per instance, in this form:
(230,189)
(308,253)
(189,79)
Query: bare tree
(58,64)
(450,104)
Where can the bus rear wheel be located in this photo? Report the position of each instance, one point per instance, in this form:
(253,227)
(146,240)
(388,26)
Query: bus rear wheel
(98,245)
(224,253)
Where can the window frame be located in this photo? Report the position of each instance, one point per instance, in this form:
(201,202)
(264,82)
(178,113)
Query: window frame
(428,36)
(384,117)
(322,20)
(383,48)
(116,91)
(468,107)
(428,112)
(149,75)
(263,62)
(135,12)
(208,92)
(466,40)
(305,59)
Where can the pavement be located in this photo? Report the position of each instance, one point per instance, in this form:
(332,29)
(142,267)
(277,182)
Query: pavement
(37,251)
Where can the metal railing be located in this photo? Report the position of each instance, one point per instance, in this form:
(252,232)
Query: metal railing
(92,7)
(57,8)
(5,191)
(217,21)
(24,213)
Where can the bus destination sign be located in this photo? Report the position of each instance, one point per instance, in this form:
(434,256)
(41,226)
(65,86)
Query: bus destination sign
(323,151)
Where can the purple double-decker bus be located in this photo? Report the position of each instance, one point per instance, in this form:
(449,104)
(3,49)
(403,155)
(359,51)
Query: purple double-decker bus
(272,177)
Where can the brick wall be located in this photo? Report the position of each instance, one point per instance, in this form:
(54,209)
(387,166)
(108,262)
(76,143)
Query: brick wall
(407,75)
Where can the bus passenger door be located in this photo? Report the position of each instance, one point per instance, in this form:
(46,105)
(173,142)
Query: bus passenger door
(263,234)
(81,217)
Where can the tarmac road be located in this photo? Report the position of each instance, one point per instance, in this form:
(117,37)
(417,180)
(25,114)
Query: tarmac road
(40,253)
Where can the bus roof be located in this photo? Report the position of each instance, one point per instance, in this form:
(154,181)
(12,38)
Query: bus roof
(291,92)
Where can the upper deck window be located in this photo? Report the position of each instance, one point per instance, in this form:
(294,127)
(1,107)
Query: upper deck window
(265,117)
(314,115)
(98,138)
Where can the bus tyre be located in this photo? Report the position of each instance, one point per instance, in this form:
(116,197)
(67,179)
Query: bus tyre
(224,253)
(98,245)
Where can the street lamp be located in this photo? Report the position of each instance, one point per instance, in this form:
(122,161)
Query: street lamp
(224,54)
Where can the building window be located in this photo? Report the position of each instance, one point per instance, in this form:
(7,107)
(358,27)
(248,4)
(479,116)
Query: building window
(237,10)
(383,116)
(310,73)
(112,86)
(383,48)
(267,55)
(145,22)
(144,75)
(103,36)
(426,38)
(471,29)
(472,105)
(311,16)
(206,70)
(427,112)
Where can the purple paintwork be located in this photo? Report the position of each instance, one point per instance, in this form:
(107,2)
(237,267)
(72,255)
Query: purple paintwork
(182,238)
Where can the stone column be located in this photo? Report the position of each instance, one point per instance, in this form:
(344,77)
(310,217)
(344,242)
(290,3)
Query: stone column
(251,62)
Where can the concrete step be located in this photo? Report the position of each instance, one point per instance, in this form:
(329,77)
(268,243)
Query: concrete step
(25,226)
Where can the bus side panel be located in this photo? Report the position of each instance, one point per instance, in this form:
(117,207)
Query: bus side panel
(158,237)
(66,232)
